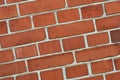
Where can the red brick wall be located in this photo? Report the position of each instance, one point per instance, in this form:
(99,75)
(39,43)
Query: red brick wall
(60,40)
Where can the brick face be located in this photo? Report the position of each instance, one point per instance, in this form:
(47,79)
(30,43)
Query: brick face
(97,53)
(12,68)
(71,29)
(113,7)
(20,24)
(108,23)
(22,38)
(28,77)
(115,36)
(40,6)
(73,43)
(68,15)
(102,66)
(5,10)
(27,51)
(92,11)
(6,56)
(76,71)
(81,2)
(97,39)
(56,74)
(3,27)
(49,47)
(59,39)
(113,76)
(40,20)
(45,62)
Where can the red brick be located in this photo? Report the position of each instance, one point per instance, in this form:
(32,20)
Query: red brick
(32,76)
(8,12)
(44,19)
(81,2)
(113,76)
(112,7)
(117,63)
(71,29)
(50,61)
(115,35)
(94,78)
(12,68)
(14,1)
(97,39)
(7,78)
(76,71)
(20,24)
(22,38)
(68,15)
(1,2)
(49,47)
(6,56)
(41,6)
(3,27)
(98,52)
(108,23)
(27,51)
(73,43)
(102,66)
(55,74)
(92,11)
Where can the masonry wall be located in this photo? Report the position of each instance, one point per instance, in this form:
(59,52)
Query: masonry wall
(60,40)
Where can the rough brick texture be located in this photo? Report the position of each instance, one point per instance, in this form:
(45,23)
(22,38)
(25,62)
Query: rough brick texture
(59,39)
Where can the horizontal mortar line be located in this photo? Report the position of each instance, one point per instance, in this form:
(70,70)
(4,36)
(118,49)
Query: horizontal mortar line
(60,24)
(54,10)
(67,65)
(32,43)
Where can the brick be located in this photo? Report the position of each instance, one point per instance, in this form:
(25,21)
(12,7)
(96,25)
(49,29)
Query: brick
(117,63)
(55,74)
(97,39)
(73,43)
(22,38)
(12,68)
(113,76)
(112,7)
(32,76)
(1,2)
(68,15)
(3,27)
(27,51)
(81,2)
(71,29)
(76,71)
(41,6)
(20,24)
(49,47)
(102,66)
(115,35)
(108,23)
(44,19)
(92,11)
(10,78)
(97,53)
(6,56)
(45,62)
(14,1)
(8,12)
(94,78)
